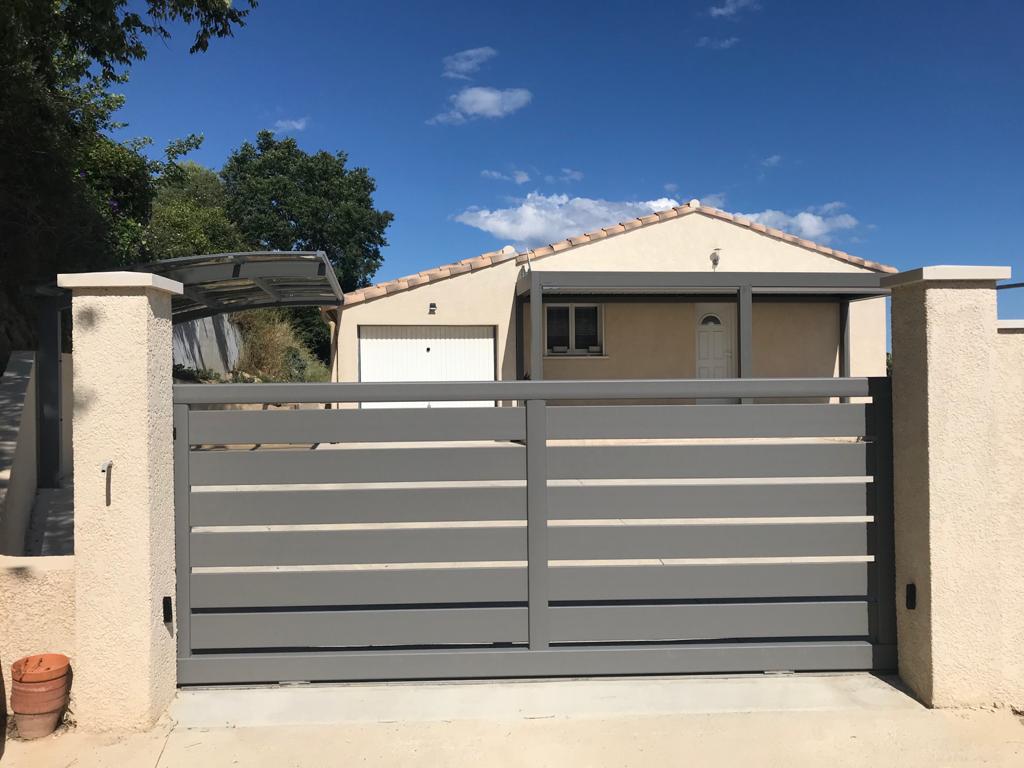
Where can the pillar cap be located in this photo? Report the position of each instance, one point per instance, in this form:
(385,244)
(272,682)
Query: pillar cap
(119,280)
(947,273)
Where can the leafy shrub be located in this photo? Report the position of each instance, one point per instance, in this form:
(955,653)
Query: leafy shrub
(271,350)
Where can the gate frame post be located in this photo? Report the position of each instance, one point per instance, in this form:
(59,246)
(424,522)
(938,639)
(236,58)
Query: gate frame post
(124,661)
(537,523)
(951,587)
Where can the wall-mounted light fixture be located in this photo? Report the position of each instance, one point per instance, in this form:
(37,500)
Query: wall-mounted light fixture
(432,309)
(715,258)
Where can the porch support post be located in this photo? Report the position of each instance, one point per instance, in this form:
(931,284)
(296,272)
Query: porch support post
(536,328)
(844,338)
(124,660)
(745,318)
(958,418)
(844,342)
(48,391)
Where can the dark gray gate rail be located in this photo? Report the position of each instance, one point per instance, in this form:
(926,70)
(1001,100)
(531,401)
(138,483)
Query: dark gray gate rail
(349,544)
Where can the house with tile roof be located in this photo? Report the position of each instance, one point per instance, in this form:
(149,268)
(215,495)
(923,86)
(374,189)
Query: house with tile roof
(689,292)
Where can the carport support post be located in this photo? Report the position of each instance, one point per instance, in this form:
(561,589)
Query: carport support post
(124,661)
(949,526)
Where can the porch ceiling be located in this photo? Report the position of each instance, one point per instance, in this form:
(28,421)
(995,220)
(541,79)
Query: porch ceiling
(835,286)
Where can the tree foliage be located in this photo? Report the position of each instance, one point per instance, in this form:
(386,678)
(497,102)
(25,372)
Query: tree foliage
(71,197)
(284,198)
(189,215)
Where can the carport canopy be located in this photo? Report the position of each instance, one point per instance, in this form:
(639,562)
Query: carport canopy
(231,282)
(213,284)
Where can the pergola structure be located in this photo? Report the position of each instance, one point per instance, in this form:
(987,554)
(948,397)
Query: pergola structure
(213,284)
(741,287)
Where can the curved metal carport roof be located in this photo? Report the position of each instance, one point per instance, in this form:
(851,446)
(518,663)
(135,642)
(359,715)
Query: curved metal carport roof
(213,284)
(232,282)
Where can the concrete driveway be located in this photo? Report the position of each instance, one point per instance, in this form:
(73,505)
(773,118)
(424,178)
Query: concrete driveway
(828,720)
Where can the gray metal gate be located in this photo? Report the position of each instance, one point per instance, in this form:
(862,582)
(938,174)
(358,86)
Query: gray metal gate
(638,533)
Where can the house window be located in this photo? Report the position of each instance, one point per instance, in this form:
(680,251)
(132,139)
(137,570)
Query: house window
(710,320)
(573,329)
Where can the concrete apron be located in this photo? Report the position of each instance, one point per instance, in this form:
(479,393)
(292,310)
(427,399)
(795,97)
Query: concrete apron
(601,698)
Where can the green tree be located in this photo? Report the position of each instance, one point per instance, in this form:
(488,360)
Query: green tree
(284,198)
(71,197)
(189,215)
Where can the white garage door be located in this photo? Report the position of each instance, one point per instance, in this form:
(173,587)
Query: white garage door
(426,353)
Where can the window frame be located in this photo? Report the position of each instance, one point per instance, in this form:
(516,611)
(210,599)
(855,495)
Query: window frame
(572,350)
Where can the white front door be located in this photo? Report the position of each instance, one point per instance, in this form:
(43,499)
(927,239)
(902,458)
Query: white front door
(715,341)
(426,353)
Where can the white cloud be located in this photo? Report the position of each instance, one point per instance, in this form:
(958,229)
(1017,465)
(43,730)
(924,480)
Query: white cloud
(478,101)
(519,177)
(539,219)
(461,65)
(815,223)
(713,199)
(566,176)
(732,7)
(772,161)
(717,43)
(291,125)
(671,187)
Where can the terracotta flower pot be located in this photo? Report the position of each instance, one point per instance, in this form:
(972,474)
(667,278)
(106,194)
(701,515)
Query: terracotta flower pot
(40,668)
(39,693)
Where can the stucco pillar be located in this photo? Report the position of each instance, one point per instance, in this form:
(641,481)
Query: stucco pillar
(947,520)
(124,664)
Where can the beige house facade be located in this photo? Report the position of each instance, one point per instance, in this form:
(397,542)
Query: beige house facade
(469,310)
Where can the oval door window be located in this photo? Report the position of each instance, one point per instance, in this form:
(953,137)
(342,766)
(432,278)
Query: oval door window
(710,320)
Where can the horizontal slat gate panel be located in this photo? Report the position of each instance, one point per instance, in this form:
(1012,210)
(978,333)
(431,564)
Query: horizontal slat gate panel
(508,585)
(583,542)
(357,505)
(410,545)
(337,588)
(356,426)
(692,461)
(383,392)
(352,465)
(574,502)
(347,629)
(711,421)
(473,663)
(632,623)
(707,582)
(483,503)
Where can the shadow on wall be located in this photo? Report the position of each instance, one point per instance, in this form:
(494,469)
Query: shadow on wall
(211,343)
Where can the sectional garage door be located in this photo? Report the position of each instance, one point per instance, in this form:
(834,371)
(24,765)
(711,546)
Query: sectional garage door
(426,353)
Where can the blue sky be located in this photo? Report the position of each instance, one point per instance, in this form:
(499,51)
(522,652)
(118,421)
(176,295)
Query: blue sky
(894,131)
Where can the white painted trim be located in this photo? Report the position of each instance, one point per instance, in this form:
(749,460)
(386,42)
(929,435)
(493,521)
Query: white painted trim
(946,272)
(119,280)
(1009,325)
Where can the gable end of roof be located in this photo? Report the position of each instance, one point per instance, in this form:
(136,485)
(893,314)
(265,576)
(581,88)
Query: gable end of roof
(493,258)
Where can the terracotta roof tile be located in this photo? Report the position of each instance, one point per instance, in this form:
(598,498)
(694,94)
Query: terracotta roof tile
(491,258)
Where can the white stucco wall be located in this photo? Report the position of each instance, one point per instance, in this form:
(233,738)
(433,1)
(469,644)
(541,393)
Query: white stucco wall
(37,609)
(1009,495)
(124,552)
(958,423)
